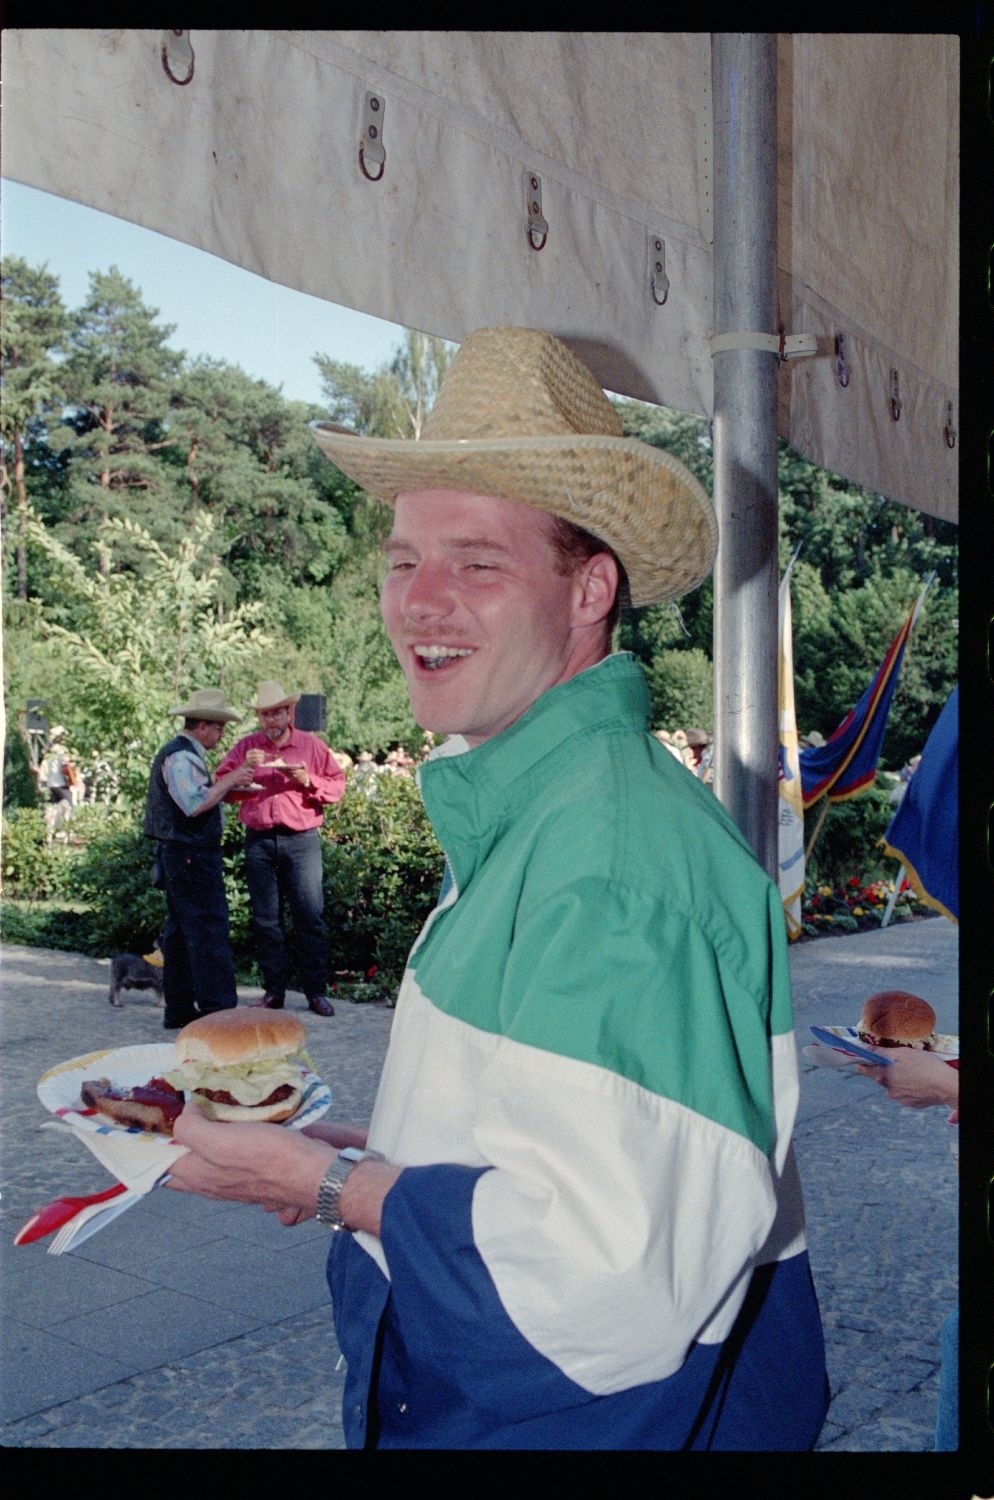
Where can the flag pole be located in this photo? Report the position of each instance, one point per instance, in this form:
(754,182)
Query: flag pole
(821,818)
(892,898)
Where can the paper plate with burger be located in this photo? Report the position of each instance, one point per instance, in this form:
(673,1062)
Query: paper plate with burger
(236,1064)
(890,1018)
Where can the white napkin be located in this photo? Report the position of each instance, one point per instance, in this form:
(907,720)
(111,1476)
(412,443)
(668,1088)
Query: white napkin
(828,1057)
(138,1161)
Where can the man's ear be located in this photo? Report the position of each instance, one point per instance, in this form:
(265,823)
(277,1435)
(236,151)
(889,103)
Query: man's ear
(596,588)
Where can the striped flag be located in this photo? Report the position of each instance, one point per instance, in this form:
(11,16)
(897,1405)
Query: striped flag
(847,763)
(790,810)
(924,832)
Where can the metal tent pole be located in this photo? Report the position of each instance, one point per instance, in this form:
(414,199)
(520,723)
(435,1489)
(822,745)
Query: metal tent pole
(744,83)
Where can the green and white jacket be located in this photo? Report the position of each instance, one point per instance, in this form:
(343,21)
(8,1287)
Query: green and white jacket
(592,1073)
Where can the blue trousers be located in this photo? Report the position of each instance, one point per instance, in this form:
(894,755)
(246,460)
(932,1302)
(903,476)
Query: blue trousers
(283,868)
(198,974)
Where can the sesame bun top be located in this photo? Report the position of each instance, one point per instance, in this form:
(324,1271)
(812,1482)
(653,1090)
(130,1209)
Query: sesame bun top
(240,1036)
(896,1015)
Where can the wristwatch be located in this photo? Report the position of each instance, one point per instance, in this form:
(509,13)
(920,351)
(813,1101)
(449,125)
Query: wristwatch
(330,1190)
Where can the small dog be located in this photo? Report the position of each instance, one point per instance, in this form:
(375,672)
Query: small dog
(129,971)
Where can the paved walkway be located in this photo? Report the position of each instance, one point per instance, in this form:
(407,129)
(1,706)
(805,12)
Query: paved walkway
(191,1324)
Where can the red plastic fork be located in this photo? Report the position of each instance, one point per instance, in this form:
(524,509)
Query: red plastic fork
(59,1212)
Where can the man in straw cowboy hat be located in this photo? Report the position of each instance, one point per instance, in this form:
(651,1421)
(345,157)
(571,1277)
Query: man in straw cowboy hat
(299,777)
(574,1220)
(182,814)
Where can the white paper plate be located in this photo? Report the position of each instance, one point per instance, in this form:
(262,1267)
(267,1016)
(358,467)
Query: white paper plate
(58,1089)
(946,1045)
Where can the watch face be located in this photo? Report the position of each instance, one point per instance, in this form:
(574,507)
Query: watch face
(351,1153)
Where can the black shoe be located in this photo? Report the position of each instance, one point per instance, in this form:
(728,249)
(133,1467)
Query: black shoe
(320,1005)
(269,1002)
(170,1025)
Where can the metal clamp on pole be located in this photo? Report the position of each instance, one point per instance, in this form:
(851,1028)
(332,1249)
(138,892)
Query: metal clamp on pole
(784,346)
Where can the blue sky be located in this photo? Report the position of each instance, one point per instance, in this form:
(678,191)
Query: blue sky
(218,309)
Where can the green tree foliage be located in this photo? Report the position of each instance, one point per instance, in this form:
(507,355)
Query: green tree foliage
(394,401)
(681,684)
(142,641)
(34,325)
(246,456)
(164,442)
(862,564)
(118,376)
(367,698)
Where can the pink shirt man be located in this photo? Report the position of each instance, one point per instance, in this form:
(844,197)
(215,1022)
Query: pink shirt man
(284,802)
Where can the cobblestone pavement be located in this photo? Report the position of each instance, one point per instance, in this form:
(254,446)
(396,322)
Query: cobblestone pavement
(190,1324)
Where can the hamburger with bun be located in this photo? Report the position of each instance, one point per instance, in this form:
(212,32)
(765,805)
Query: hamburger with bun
(242,1064)
(894,1018)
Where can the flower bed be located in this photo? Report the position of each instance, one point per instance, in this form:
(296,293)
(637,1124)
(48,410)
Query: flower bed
(855,907)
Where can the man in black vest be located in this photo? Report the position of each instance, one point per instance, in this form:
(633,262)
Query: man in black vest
(183,815)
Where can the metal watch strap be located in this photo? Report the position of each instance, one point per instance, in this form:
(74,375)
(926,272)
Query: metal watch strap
(330,1188)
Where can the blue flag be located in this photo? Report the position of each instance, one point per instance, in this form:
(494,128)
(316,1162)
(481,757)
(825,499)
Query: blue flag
(847,763)
(924,832)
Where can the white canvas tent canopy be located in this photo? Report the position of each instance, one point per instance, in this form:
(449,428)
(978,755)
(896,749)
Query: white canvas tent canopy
(601,185)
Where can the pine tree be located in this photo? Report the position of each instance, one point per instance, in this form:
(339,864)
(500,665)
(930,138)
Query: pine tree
(34,326)
(118,375)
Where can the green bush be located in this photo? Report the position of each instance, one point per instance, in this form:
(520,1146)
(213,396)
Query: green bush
(681,684)
(847,845)
(382,870)
(32,867)
(113,877)
(45,924)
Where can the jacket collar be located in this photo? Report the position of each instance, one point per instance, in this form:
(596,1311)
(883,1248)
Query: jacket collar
(469,794)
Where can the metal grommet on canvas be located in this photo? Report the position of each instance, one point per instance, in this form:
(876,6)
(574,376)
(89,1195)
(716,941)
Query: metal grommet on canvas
(371,137)
(949,431)
(895,395)
(177,56)
(659,282)
(537,225)
(841,358)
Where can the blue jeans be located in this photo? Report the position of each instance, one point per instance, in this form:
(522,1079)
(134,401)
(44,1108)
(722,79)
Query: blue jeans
(198,974)
(283,868)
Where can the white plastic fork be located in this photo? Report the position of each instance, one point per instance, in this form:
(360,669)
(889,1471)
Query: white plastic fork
(73,1231)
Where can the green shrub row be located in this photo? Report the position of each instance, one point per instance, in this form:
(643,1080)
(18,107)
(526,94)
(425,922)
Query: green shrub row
(382,871)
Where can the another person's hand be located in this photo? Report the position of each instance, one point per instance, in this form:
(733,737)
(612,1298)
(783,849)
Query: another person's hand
(917,1079)
(255,757)
(299,775)
(242,775)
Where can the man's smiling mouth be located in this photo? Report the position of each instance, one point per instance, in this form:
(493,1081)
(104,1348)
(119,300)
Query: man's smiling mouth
(435,657)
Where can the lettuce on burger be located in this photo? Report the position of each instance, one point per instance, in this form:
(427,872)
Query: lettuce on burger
(242,1064)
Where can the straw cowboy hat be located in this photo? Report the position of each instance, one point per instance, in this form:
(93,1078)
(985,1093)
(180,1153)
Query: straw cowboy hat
(207,703)
(270,694)
(519,415)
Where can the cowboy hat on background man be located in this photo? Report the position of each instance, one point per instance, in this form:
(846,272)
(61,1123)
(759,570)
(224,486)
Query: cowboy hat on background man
(270,694)
(208,706)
